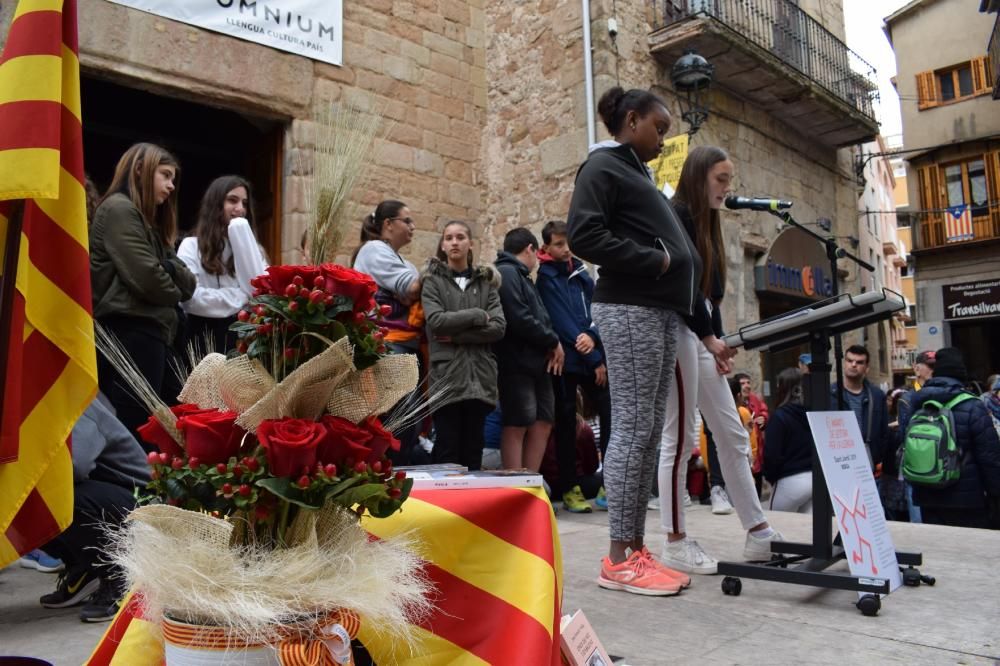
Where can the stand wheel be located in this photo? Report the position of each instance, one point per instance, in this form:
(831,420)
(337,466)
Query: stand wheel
(911,577)
(731,585)
(869,605)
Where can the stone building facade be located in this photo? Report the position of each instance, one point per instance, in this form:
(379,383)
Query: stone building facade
(489,115)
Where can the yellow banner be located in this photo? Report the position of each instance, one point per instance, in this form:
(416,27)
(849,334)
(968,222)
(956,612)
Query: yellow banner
(667,166)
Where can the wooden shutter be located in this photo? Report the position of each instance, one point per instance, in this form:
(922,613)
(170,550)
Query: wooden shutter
(981,82)
(927,96)
(992,161)
(931,223)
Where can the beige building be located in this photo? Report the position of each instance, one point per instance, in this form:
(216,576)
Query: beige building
(489,102)
(951,126)
(879,244)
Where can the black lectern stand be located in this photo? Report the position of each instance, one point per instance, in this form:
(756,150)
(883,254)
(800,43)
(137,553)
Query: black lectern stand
(805,563)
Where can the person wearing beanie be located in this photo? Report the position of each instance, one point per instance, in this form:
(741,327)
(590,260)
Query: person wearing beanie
(965,503)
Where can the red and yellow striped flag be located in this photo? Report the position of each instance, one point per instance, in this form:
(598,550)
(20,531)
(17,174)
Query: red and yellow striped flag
(51,362)
(494,558)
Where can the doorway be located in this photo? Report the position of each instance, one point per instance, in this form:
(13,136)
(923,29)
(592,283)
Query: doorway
(207,141)
(978,341)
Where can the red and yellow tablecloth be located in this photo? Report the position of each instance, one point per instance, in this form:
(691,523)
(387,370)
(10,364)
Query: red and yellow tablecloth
(493,556)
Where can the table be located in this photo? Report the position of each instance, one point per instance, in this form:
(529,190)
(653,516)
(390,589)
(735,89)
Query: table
(493,556)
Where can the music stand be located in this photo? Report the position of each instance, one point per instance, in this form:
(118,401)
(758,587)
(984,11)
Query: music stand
(805,563)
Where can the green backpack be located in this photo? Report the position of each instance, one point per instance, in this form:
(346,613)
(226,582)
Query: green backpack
(931,456)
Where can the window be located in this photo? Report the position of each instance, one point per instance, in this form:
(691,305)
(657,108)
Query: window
(965,182)
(955,83)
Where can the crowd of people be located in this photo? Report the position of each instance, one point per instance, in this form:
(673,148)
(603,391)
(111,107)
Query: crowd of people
(606,386)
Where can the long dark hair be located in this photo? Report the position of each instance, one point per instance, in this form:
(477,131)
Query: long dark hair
(212,229)
(789,386)
(441,254)
(134,177)
(692,191)
(371,226)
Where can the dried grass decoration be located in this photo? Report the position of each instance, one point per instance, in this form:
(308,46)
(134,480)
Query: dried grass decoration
(346,137)
(264,470)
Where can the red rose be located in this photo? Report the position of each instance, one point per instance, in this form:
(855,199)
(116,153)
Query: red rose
(153,433)
(211,436)
(343,440)
(357,286)
(290,444)
(382,439)
(279,277)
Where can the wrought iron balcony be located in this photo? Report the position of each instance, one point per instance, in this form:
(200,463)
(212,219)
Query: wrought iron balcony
(776,55)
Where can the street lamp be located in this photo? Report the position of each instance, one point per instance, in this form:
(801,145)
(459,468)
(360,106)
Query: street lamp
(692,75)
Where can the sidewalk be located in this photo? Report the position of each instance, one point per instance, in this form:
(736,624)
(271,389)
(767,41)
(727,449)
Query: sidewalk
(770,623)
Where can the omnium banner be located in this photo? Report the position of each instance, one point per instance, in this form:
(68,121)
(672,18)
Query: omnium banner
(310,28)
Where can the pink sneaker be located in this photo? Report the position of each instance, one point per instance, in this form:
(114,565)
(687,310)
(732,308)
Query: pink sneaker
(638,574)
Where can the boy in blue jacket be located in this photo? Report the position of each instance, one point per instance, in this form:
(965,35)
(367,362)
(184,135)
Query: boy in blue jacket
(566,290)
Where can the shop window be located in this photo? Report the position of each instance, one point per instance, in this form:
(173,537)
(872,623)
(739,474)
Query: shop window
(954,83)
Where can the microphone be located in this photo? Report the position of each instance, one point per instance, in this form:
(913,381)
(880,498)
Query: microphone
(741,203)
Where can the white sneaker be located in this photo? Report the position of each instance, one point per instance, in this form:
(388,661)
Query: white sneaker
(687,499)
(653,504)
(720,501)
(687,556)
(758,549)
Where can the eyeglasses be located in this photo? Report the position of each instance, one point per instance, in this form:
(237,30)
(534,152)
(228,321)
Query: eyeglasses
(407,220)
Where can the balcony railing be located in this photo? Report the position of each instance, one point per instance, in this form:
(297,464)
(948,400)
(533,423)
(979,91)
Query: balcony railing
(903,359)
(994,51)
(932,229)
(793,36)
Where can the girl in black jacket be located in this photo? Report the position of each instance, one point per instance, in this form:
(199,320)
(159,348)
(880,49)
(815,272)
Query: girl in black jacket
(788,448)
(649,270)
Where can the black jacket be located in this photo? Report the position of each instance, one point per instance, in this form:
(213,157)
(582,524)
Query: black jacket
(619,220)
(529,336)
(974,434)
(879,441)
(788,443)
(704,321)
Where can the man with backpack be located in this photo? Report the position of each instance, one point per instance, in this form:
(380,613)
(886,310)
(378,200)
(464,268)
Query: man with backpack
(950,451)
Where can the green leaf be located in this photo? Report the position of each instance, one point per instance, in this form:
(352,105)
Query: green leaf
(242,327)
(360,494)
(340,487)
(284,489)
(176,489)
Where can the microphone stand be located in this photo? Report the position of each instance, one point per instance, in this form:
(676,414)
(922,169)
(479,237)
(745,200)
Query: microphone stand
(819,386)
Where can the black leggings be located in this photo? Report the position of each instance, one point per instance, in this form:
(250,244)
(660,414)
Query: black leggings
(148,351)
(459,434)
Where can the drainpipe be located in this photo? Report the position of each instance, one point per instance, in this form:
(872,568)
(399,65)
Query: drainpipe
(588,74)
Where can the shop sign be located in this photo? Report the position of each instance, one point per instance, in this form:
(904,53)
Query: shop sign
(310,28)
(795,265)
(970,300)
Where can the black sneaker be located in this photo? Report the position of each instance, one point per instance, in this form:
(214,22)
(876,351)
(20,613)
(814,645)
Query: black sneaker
(103,604)
(73,588)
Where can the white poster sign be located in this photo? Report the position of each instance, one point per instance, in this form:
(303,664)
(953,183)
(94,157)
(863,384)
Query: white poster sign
(310,28)
(856,504)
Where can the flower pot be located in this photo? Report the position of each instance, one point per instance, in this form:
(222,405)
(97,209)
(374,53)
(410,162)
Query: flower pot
(194,645)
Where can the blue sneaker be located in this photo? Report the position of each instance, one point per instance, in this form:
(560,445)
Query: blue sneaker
(38,559)
(601,501)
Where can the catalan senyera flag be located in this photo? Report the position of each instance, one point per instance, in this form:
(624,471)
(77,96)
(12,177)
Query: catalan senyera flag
(494,559)
(51,361)
(958,223)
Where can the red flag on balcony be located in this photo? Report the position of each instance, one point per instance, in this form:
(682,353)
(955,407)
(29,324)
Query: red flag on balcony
(958,223)
(51,366)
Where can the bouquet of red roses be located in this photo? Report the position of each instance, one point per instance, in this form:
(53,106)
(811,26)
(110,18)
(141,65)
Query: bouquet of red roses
(210,461)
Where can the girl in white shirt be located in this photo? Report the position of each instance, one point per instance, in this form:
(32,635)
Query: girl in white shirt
(224,256)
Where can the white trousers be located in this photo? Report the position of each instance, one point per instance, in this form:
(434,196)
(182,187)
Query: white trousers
(699,386)
(793,493)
